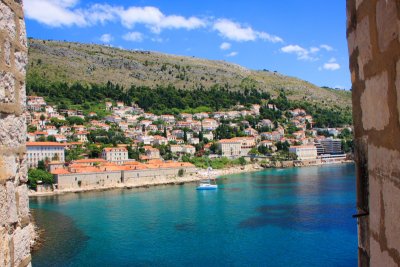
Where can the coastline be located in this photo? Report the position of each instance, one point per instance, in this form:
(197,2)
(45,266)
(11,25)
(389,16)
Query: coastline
(200,175)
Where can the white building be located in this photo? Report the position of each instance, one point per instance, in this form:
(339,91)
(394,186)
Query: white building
(307,152)
(230,147)
(117,155)
(37,151)
(331,146)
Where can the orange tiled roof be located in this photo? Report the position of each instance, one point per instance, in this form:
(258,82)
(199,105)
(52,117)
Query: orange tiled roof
(44,144)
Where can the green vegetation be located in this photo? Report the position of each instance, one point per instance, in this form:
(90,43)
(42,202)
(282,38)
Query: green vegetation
(89,64)
(36,175)
(161,100)
(218,163)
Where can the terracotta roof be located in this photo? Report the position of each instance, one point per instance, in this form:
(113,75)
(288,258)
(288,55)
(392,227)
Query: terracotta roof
(88,160)
(44,144)
(60,171)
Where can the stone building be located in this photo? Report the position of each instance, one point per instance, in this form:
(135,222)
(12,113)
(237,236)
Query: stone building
(373,34)
(115,154)
(306,152)
(15,227)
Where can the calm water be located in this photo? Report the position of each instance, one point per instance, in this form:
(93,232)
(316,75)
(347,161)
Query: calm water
(290,217)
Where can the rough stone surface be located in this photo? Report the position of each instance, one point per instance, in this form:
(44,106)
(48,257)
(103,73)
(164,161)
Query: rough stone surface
(11,203)
(15,227)
(392,226)
(374,103)
(11,135)
(21,240)
(379,257)
(7,52)
(386,20)
(373,31)
(5,257)
(7,87)
(21,59)
(363,42)
(398,86)
(7,20)
(23,204)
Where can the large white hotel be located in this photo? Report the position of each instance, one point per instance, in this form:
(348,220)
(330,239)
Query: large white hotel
(37,151)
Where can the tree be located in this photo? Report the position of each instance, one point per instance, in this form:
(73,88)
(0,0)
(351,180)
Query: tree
(242,161)
(51,138)
(32,129)
(42,119)
(165,132)
(35,175)
(41,165)
(185,139)
(201,136)
(308,125)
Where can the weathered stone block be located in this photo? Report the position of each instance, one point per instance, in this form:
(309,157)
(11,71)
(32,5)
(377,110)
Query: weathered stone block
(7,52)
(21,59)
(391,206)
(8,167)
(5,259)
(7,87)
(21,175)
(380,257)
(363,42)
(12,203)
(375,190)
(386,21)
(351,40)
(22,33)
(21,240)
(12,135)
(358,3)
(374,103)
(3,205)
(398,85)
(23,204)
(7,21)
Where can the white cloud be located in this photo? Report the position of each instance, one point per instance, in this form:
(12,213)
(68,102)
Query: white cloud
(326,47)
(54,13)
(314,49)
(225,46)
(331,65)
(106,38)
(268,37)
(154,19)
(101,13)
(133,37)
(302,53)
(62,13)
(232,54)
(236,32)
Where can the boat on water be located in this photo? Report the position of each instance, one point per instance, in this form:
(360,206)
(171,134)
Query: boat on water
(206,184)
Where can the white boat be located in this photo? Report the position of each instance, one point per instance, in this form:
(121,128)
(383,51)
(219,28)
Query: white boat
(206,184)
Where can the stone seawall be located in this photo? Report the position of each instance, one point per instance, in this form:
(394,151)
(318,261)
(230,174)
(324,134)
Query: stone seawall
(15,226)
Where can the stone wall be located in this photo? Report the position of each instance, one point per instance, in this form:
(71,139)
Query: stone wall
(15,227)
(374,47)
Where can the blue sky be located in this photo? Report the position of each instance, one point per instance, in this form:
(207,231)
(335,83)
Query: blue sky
(305,39)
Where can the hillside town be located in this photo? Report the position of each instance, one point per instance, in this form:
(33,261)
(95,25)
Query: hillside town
(85,149)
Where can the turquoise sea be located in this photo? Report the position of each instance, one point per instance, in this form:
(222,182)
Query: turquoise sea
(277,217)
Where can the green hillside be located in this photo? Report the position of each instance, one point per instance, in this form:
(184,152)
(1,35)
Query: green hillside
(55,62)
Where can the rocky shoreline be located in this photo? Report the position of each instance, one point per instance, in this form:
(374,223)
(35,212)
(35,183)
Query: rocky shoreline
(202,174)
